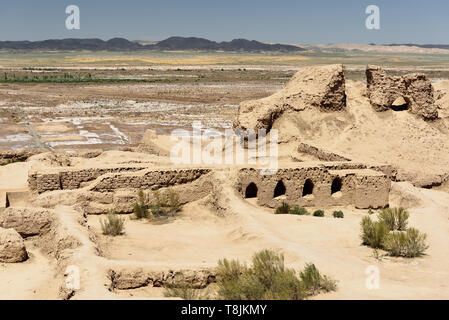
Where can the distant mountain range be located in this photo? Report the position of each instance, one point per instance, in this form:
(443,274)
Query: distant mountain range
(426,46)
(172,44)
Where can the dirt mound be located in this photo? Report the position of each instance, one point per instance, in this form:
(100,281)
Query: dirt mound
(314,87)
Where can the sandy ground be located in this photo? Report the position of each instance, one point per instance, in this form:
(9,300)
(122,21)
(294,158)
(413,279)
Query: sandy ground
(32,279)
(198,238)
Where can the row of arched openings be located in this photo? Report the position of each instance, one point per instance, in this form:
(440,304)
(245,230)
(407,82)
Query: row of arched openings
(280,190)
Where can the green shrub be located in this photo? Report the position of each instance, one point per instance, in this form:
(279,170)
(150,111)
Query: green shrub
(395,218)
(173,201)
(401,218)
(301,211)
(157,211)
(373,233)
(387,216)
(113,225)
(338,214)
(416,243)
(284,208)
(165,203)
(407,244)
(314,282)
(318,213)
(141,207)
(268,279)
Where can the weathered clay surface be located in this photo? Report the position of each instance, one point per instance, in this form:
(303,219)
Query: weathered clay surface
(320,87)
(125,279)
(319,153)
(26,221)
(415,89)
(12,246)
(149,179)
(70,178)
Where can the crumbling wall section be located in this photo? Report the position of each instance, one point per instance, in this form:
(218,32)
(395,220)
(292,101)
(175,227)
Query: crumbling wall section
(321,87)
(363,188)
(67,178)
(147,179)
(416,89)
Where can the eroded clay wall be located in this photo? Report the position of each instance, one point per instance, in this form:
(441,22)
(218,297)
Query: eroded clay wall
(371,191)
(362,188)
(70,178)
(110,179)
(147,179)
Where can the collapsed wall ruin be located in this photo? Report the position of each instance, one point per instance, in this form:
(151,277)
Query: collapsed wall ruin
(414,89)
(67,178)
(317,186)
(306,184)
(109,178)
(323,88)
(314,87)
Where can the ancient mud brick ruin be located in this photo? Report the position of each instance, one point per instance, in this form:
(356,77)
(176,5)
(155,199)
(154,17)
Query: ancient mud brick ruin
(339,182)
(315,87)
(108,179)
(322,185)
(415,89)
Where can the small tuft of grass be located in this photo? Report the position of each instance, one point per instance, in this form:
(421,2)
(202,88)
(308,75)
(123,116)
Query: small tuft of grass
(141,207)
(113,225)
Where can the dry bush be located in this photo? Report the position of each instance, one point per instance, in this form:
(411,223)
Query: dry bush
(113,225)
(181,290)
(409,244)
(268,279)
(141,206)
(314,282)
(165,203)
(284,208)
(395,218)
(373,233)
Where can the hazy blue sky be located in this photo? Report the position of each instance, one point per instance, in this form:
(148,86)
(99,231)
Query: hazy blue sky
(288,21)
